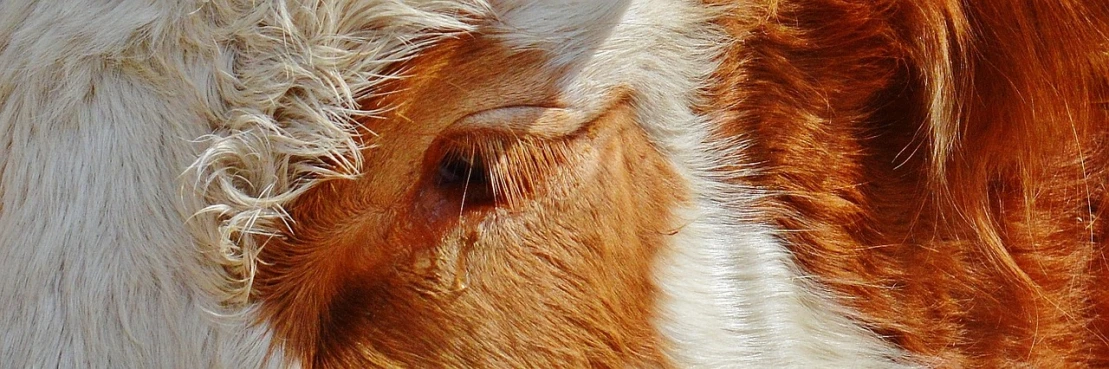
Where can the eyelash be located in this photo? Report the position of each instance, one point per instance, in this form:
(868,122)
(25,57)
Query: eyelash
(498,170)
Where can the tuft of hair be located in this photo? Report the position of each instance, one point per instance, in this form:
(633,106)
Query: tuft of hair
(286,114)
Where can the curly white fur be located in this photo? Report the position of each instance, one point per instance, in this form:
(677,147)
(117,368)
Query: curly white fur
(104,104)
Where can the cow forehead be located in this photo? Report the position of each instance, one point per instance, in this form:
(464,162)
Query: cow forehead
(562,24)
(558,13)
(598,47)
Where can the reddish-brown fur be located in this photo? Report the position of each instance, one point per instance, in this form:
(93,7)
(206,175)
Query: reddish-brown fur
(971,230)
(392,270)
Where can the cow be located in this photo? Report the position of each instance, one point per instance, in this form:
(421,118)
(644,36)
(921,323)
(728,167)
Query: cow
(554,183)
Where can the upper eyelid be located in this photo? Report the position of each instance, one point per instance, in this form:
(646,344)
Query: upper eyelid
(535,120)
(542,121)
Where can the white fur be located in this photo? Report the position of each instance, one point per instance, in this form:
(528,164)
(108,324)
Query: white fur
(103,106)
(733,294)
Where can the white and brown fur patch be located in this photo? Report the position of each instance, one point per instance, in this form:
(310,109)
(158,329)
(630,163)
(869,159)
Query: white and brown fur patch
(568,183)
(627,249)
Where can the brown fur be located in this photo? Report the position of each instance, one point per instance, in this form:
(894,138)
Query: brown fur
(940,165)
(549,267)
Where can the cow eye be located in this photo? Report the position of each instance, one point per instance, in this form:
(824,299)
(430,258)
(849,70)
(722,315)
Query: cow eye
(465,174)
(501,157)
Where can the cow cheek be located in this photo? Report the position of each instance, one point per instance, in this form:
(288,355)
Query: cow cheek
(564,271)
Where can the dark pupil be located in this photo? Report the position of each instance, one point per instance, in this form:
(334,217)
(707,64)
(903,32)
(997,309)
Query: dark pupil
(456,170)
(466,175)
